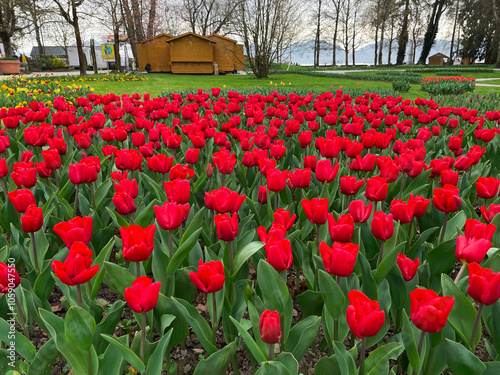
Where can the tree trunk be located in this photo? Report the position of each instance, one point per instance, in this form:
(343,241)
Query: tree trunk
(376,44)
(496,13)
(391,40)
(116,37)
(432,29)
(317,39)
(450,60)
(92,53)
(381,47)
(79,47)
(403,36)
(152,19)
(335,34)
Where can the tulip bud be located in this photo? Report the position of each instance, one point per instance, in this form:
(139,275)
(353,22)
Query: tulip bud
(269,327)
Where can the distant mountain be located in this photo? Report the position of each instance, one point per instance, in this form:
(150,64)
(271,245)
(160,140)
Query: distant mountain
(303,53)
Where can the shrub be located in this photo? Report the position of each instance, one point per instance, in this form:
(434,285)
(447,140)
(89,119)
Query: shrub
(401,85)
(448,85)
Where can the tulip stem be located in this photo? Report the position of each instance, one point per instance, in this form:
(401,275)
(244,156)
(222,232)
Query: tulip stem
(362,357)
(143,335)
(443,231)
(22,319)
(170,241)
(76,198)
(137,269)
(409,233)
(230,258)
(459,275)
(132,218)
(35,254)
(214,318)
(275,201)
(56,178)
(420,346)
(4,188)
(476,325)
(402,186)
(271,352)
(381,253)
(92,195)
(79,295)
(346,202)
(317,238)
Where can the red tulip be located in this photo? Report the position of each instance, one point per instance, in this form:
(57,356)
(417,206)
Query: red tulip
(316,210)
(32,220)
(403,211)
(227,227)
(210,276)
(363,315)
(277,232)
(4,169)
(310,162)
(382,225)
(42,170)
(359,211)
(470,250)
(421,204)
(224,161)
(142,296)
(160,163)
(283,217)
(376,189)
(180,172)
(349,185)
(407,266)
(449,177)
(476,229)
(446,199)
(138,242)
(9,278)
(128,159)
(484,284)
(21,199)
(124,203)
(77,229)
(487,188)
(325,172)
(269,327)
(52,159)
(428,310)
(490,212)
(342,229)
(301,178)
(24,177)
(76,268)
(262,196)
(171,215)
(339,259)
(279,254)
(276,179)
(224,200)
(178,191)
(192,155)
(127,186)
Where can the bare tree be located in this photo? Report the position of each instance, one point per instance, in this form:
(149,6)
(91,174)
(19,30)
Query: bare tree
(496,13)
(317,37)
(403,35)
(455,22)
(208,16)
(337,9)
(9,25)
(438,8)
(61,34)
(69,12)
(36,12)
(418,15)
(267,30)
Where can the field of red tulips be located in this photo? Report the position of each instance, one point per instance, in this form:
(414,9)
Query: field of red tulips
(250,233)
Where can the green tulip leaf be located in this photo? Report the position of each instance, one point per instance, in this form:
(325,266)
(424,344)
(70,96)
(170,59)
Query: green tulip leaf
(218,362)
(126,352)
(79,327)
(462,361)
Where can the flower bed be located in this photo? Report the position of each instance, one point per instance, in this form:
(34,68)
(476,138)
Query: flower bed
(287,222)
(448,85)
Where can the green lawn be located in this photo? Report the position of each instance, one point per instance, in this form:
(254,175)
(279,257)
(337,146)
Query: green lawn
(158,83)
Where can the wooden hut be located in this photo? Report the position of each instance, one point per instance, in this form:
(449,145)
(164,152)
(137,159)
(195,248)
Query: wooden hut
(156,52)
(192,54)
(228,55)
(438,59)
